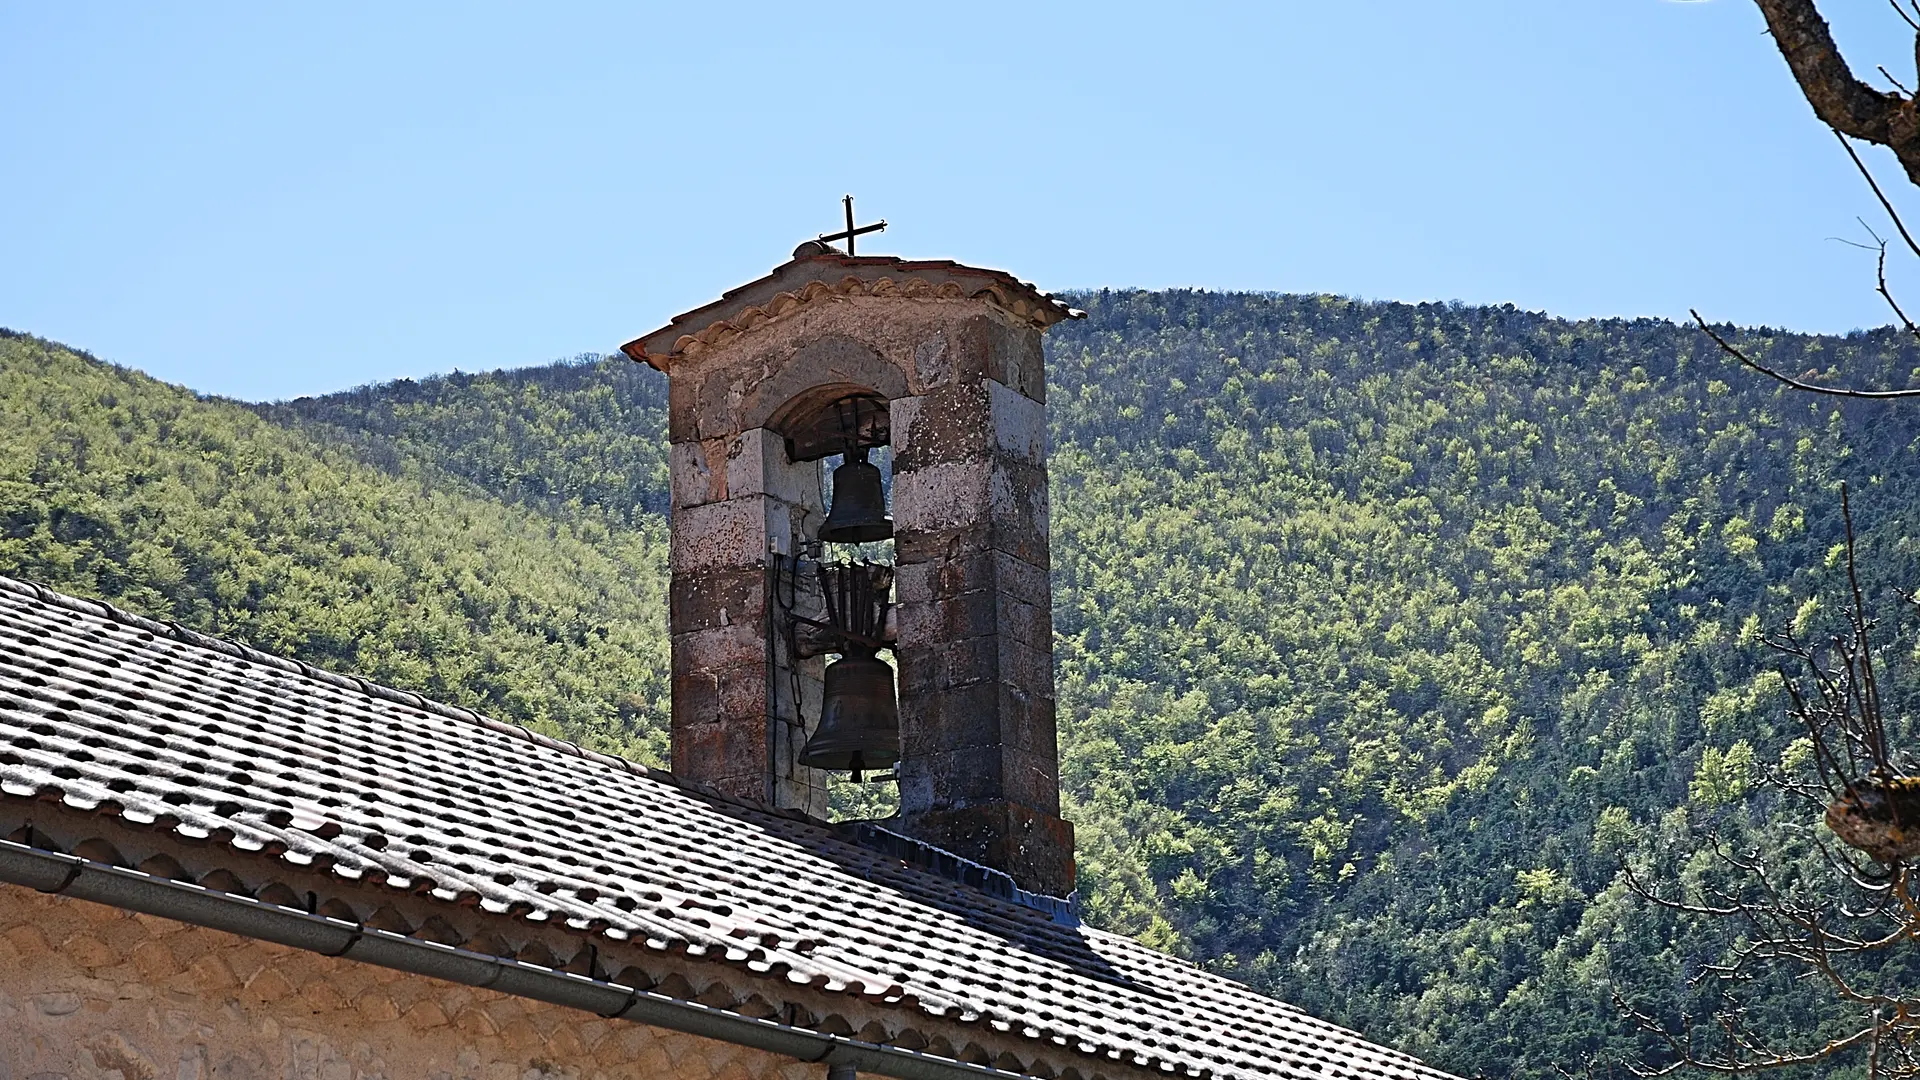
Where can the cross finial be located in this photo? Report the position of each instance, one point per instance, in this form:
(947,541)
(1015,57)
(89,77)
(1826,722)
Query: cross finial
(851,231)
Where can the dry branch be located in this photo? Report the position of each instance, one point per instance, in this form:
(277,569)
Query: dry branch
(1812,388)
(1840,100)
(1808,909)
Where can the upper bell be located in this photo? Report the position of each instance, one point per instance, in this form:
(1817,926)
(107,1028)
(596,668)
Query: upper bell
(859,513)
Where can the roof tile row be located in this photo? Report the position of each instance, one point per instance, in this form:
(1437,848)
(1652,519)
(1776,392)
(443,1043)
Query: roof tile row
(114,714)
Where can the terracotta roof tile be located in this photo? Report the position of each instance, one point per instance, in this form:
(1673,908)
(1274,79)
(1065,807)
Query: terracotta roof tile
(115,714)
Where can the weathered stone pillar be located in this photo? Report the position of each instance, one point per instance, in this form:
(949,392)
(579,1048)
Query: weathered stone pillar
(737,500)
(979,768)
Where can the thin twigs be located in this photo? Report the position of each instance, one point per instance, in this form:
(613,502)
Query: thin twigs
(1794,907)
(1880,274)
(1811,388)
(1873,727)
(1902,12)
(1877,193)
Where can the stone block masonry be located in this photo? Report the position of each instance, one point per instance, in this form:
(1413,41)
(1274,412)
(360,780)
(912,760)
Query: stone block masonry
(950,361)
(737,500)
(979,771)
(94,993)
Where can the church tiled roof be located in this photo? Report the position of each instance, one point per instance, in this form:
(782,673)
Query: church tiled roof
(259,758)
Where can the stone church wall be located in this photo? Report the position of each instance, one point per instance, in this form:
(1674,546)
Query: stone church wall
(88,992)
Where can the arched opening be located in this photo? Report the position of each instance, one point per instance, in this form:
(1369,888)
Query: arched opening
(842,594)
(826,420)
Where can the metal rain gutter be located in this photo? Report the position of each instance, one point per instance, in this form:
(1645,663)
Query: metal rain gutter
(132,890)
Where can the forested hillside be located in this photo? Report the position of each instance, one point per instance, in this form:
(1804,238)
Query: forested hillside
(567,438)
(116,486)
(1385,632)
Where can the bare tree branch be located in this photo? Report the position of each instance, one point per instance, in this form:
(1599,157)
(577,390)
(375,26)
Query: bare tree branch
(1880,273)
(1812,388)
(1791,905)
(1902,12)
(1839,99)
(1885,203)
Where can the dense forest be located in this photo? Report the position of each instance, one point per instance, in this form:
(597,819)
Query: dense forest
(117,486)
(1386,633)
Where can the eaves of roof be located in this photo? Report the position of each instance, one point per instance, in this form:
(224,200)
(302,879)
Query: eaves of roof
(168,897)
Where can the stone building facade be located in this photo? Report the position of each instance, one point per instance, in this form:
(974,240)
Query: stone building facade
(92,992)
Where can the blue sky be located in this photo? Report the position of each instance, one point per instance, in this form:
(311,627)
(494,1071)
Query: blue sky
(272,200)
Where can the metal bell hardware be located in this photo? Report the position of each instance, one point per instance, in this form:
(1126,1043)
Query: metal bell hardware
(859,726)
(859,513)
(859,718)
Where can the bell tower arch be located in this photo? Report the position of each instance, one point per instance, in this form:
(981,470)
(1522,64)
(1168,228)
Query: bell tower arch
(832,354)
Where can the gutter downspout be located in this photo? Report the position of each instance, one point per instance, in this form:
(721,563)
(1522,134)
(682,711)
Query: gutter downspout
(132,890)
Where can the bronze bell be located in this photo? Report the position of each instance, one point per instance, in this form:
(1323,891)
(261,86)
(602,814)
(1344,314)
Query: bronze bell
(859,513)
(859,718)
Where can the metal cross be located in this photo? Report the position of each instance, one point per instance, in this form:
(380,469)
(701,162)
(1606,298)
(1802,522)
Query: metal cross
(851,232)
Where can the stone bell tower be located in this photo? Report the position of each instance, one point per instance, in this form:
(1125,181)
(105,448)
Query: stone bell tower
(942,363)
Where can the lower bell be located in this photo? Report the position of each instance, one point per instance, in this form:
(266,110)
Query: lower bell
(859,718)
